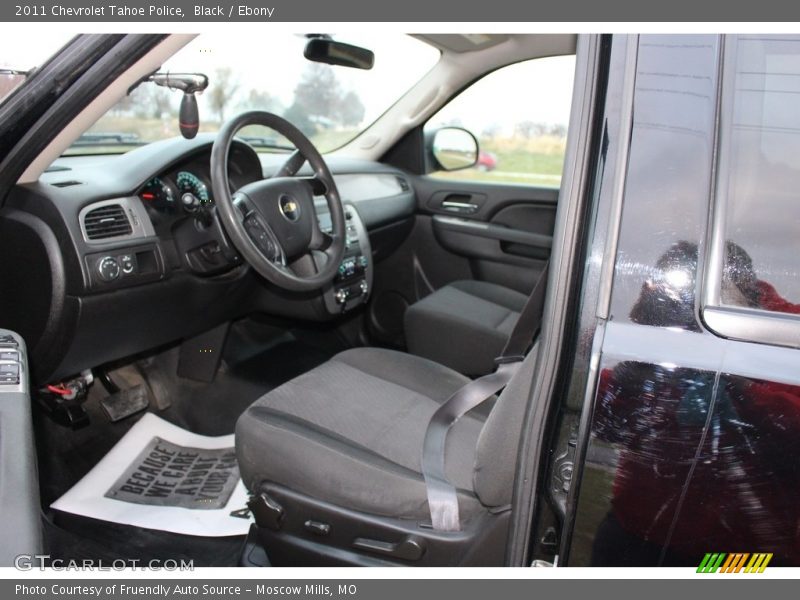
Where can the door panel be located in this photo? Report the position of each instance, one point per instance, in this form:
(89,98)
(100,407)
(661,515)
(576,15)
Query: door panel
(504,231)
(462,230)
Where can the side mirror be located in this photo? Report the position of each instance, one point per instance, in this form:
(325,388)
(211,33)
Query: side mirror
(328,51)
(454,148)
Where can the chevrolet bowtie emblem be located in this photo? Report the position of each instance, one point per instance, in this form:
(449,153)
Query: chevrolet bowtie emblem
(289,208)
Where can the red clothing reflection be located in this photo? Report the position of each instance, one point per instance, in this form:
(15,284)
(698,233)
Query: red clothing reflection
(770,299)
(688,482)
(744,490)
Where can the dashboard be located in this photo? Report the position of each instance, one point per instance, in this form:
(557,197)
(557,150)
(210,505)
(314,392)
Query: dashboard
(119,259)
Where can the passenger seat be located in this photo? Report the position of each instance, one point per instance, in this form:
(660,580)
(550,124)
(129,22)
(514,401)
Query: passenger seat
(463,325)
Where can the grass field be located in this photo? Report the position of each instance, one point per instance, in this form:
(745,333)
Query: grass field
(538,161)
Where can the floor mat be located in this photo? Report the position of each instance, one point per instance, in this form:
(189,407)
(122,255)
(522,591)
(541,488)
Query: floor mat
(159,476)
(71,537)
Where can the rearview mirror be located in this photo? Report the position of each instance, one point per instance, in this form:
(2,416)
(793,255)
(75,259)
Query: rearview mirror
(454,148)
(324,50)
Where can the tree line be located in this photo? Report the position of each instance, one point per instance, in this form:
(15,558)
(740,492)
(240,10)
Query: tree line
(320,101)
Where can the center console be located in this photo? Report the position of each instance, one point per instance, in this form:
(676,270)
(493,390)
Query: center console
(353,282)
(19,493)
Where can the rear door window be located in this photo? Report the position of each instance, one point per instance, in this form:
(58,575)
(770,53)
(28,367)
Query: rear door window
(754,259)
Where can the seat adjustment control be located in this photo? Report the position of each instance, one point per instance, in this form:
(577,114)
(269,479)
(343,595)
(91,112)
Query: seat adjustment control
(266,511)
(411,548)
(317,527)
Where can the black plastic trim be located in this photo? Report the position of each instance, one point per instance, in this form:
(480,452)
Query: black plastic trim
(494,232)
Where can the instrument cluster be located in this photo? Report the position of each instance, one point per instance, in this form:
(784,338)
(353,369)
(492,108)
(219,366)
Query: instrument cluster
(185,188)
(185,191)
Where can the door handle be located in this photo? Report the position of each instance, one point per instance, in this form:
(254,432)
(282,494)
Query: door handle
(459,207)
(457,202)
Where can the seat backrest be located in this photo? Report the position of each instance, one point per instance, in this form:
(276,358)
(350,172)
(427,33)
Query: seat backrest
(496,455)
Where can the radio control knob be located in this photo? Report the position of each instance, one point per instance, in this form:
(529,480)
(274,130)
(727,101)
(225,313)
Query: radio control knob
(108,268)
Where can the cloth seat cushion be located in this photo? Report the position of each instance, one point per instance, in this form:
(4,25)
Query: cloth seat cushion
(463,325)
(351,432)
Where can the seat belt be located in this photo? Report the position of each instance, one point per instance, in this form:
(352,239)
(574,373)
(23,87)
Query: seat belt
(442,495)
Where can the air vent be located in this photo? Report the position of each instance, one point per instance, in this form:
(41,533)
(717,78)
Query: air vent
(63,184)
(106,222)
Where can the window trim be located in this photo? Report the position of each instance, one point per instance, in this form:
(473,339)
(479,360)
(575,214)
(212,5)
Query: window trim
(734,322)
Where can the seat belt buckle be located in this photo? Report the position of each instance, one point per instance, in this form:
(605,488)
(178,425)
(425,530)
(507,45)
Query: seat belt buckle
(504,360)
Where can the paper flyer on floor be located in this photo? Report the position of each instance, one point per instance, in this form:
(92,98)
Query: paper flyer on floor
(159,476)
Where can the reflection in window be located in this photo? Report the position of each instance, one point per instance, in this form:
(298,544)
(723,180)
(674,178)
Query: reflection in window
(743,492)
(760,174)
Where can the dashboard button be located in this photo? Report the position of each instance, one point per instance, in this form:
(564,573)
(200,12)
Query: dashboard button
(108,268)
(126,260)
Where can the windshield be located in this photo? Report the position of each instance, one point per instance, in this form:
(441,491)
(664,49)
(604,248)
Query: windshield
(330,104)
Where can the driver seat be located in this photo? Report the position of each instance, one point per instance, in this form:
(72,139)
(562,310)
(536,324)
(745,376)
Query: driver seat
(333,458)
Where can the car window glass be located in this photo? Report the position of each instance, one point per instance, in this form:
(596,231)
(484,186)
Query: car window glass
(20,53)
(519,115)
(760,175)
(330,104)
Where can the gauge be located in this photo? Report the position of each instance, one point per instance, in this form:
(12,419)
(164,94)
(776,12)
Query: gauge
(189,183)
(157,194)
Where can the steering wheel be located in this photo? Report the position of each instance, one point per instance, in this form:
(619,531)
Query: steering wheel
(272,222)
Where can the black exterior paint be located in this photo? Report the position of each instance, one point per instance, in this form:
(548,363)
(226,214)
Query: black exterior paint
(692,439)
